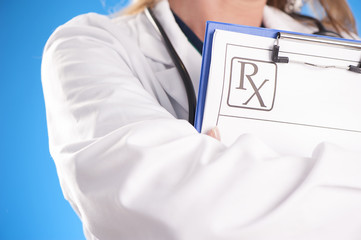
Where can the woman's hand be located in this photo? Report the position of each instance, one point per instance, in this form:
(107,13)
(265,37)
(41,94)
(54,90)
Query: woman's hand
(214,133)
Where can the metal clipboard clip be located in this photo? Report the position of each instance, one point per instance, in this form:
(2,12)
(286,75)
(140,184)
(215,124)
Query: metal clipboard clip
(314,39)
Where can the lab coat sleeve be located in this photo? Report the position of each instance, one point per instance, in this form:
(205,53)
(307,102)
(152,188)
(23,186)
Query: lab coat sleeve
(132,171)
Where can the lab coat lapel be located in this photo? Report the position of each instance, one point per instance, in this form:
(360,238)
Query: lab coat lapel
(152,46)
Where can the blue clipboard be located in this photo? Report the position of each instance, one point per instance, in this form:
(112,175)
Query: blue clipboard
(207,52)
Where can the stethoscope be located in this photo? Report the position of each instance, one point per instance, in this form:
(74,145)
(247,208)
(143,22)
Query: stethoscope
(191,96)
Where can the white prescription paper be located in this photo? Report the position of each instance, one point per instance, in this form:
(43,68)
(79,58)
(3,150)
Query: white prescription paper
(292,107)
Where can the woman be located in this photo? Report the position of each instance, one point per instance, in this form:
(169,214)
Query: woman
(133,168)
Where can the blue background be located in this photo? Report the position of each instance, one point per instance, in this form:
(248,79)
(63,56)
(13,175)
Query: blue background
(31,203)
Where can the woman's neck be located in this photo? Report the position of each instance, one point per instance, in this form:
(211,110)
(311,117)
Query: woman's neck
(195,13)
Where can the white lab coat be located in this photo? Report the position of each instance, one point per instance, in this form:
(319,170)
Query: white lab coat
(133,169)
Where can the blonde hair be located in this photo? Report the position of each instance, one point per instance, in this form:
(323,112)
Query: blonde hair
(139,5)
(335,14)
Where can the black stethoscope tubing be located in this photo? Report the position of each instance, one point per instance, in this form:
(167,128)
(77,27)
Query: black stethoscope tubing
(191,96)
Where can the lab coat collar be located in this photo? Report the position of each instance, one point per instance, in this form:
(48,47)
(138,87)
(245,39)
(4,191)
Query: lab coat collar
(178,39)
(276,19)
(152,46)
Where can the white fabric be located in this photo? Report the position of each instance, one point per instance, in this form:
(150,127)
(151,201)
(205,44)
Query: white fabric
(132,169)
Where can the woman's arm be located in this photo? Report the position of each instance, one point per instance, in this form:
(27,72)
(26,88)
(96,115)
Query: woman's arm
(133,171)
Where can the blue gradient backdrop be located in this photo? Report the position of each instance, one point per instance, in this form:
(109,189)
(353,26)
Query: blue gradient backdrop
(31,202)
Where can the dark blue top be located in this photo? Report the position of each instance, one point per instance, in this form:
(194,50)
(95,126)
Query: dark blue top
(192,37)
